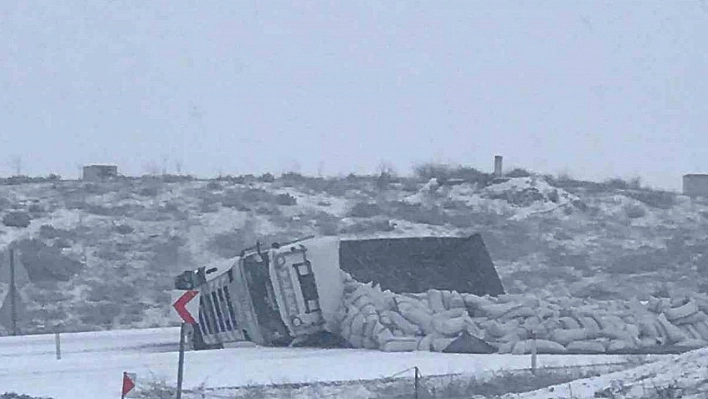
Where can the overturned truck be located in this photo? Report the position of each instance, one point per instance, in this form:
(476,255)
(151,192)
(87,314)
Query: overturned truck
(421,293)
(310,292)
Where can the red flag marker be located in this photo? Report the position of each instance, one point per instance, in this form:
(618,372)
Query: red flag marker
(128,383)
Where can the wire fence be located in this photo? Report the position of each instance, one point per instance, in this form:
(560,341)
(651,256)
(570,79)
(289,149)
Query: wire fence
(413,383)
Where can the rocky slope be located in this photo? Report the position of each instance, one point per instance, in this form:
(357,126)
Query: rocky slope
(103,255)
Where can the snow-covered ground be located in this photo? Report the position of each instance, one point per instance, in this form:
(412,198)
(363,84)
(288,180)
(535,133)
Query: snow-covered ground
(92,363)
(686,377)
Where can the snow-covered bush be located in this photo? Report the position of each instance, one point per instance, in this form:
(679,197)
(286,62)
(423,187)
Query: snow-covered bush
(17,219)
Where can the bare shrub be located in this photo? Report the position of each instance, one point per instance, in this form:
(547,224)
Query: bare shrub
(17,219)
(443,173)
(622,184)
(365,210)
(15,395)
(100,314)
(369,226)
(4,203)
(214,186)
(229,244)
(266,178)
(285,199)
(44,263)
(109,254)
(35,209)
(156,389)
(149,191)
(328,227)
(654,198)
(518,172)
(123,229)
(417,213)
(634,211)
(113,211)
(645,260)
(116,291)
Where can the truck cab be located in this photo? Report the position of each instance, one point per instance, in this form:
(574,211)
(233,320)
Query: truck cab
(269,297)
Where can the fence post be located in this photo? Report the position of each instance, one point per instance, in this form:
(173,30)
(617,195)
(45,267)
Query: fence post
(58,344)
(417,376)
(533,352)
(13,289)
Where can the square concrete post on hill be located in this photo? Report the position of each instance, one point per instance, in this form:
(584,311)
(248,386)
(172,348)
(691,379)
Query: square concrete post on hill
(498,166)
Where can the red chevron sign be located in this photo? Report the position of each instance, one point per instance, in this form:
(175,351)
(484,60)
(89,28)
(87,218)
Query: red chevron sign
(186,309)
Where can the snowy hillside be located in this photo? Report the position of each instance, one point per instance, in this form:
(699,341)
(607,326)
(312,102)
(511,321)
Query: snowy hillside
(102,256)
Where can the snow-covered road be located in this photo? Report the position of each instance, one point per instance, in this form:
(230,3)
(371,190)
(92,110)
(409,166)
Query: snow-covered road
(92,363)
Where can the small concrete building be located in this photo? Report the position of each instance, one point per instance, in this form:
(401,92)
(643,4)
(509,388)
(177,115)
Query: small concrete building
(100,172)
(695,185)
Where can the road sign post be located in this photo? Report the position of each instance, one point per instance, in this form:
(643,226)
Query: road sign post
(180,365)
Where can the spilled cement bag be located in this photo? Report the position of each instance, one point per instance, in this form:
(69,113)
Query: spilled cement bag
(439,343)
(451,313)
(371,321)
(565,337)
(585,347)
(497,329)
(569,323)
(384,336)
(690,319)
(702,328)
(435,301)
(609,321)
(542,347)
(522,311)
(475,302)
(647,327)
(681,311)
(400,344)
(521,347)
(691,344)
(400,322)
(648,342)
(457,301)
(426,343)
(550,347)
(545,313)
(617,346)
(506,347)
(690,331)
(673,333)
(450,326)
(495,311)
(358,324)
(588,323)
(418,317)
(356,340)
(511,337)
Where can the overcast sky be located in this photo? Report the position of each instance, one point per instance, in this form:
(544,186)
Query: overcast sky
(594,89)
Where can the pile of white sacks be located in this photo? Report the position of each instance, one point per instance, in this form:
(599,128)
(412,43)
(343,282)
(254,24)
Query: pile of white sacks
(376,319)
